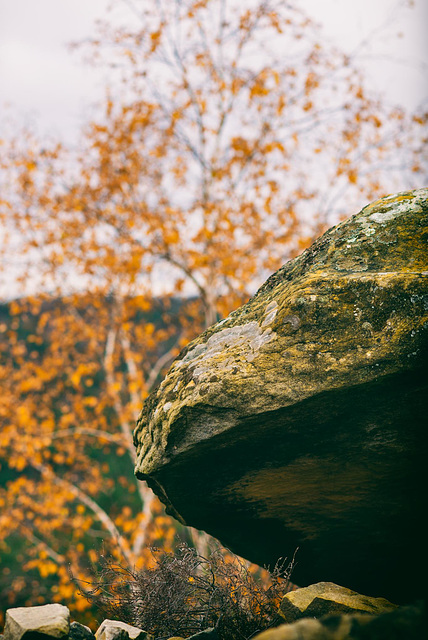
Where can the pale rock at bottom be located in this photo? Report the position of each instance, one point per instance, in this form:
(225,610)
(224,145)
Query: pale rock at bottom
(115,630)
(26,623)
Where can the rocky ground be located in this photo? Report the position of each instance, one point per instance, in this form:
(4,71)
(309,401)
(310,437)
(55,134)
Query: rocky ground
(323,611)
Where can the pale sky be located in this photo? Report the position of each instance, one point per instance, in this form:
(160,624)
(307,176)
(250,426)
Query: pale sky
(43,82)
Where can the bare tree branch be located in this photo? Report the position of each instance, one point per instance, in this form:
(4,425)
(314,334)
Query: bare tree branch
(96,433)
(160,363)
(30,535)
(109,369)
(102,516)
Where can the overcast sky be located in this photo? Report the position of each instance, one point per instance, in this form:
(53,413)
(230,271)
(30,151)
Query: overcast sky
(44,82)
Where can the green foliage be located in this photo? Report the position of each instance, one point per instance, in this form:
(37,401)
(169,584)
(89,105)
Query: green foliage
(184,593)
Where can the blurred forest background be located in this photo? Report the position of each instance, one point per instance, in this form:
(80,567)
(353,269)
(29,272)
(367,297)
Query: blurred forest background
(231,135)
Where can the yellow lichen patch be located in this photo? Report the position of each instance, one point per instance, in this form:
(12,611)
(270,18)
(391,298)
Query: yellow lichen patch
(399,197)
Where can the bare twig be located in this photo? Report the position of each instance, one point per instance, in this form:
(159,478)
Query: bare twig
(83,497)
(96,433)
(159,364)
(30,535)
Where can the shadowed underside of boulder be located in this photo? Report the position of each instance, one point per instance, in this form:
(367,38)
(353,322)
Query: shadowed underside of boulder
(300,419)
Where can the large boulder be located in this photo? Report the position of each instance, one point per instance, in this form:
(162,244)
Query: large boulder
(300,420)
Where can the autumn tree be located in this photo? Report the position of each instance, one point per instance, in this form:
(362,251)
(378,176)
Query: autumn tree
(230,136)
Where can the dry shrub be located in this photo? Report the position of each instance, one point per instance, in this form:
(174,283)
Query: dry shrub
(184,593)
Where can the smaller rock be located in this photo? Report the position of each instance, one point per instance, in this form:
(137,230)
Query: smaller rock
(404,623)
(32,623)
(116,630)
(325,598)
(80,632)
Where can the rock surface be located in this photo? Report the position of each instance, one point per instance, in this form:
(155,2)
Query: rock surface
(325,598)
(405,623)
(114,629)
(300,419)
(34,623)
